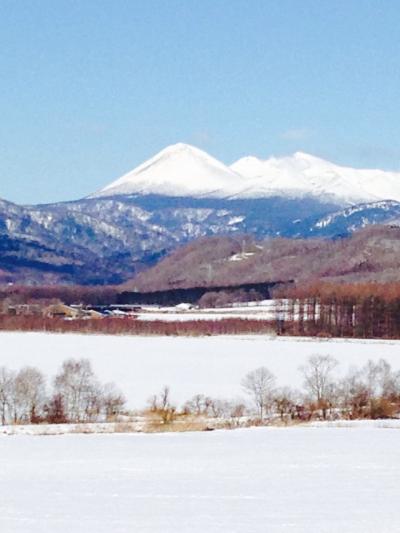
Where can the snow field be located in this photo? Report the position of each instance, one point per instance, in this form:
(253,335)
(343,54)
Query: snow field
(299,480)
(325,478)
(215,366)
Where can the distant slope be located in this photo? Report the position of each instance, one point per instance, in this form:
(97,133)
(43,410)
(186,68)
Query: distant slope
(347,220)
(109,240)
(369,254)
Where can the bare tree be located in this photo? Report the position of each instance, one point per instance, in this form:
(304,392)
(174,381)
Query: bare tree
(29,395)
(153,403)
(318,380)
(373,391)
(354,394)
(285,402)
(113,400)
(260,384)
(164,398)
(54,410)
(237,411)
(219,408)
(198,405)
(161,404)
(7,380)
(79,390)
(167,410)
(382,381)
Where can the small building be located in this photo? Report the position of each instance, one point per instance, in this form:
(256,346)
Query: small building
(62,311)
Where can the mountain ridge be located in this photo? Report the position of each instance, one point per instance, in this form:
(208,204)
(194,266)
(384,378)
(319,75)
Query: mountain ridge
(184,170)
(108,240)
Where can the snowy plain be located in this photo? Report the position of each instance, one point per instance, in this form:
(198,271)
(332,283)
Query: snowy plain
(214,366)
(321,478)
(266,480)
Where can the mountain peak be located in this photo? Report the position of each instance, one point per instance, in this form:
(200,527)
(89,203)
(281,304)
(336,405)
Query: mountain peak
(177,170)
(178,147)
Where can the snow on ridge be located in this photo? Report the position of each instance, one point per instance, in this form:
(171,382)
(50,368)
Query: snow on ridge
(306,174)
(184,170)
(384,205)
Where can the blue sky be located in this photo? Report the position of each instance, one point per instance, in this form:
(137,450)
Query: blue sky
(91,88)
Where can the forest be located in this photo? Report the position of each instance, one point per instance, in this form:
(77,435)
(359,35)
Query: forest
(361,310)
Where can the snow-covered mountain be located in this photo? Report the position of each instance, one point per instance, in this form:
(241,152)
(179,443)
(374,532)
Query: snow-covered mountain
(182,170)
(178,170)
(303,174)
(180,195)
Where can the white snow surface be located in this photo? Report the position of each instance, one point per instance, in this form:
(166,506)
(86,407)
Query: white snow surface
(264,310)
(214,366)
(178,170)
(183,170)
(274,480)
(303,174)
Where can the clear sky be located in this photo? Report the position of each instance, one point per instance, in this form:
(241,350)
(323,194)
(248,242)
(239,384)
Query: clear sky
(91,88)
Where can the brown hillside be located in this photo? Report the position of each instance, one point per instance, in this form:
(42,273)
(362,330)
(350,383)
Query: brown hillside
(371,254)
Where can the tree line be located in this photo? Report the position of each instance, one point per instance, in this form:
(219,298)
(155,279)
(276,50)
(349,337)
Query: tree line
(130,326)
(68,294)
(370,392)
(77,396)
(361,310)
